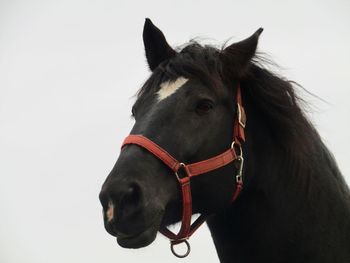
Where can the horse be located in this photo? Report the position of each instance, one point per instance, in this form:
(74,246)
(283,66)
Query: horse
(218,134)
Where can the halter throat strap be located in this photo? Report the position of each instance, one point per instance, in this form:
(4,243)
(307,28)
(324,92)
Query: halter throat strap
(184,173)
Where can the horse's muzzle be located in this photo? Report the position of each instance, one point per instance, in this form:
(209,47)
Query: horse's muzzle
(126,215)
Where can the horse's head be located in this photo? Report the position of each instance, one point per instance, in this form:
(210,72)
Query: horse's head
(187,107)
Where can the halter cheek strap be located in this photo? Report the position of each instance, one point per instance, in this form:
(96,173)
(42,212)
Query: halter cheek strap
(190,170)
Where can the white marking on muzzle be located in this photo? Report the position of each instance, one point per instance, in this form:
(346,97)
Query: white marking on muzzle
(110,211)
(168,88)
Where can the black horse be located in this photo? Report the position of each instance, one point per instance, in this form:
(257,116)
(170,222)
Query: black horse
(295,204)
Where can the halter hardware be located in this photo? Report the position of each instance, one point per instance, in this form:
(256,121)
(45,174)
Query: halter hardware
(242,118)
(233,154)
(188,247)
(239,177)
(181,165)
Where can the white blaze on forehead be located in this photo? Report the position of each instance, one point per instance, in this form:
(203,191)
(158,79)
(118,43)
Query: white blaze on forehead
(170,87)
(110,211)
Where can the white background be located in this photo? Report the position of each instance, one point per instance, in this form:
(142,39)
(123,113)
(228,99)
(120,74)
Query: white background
(68,71)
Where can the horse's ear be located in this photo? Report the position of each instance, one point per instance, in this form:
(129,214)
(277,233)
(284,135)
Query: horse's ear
(237,56)
(156,47)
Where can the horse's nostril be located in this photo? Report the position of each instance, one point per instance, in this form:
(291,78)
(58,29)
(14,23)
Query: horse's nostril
(131,199)
(133,194)
(121,201)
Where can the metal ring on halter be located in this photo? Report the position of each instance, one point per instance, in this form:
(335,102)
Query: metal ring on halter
(172,244)
(181,165)
(233,144)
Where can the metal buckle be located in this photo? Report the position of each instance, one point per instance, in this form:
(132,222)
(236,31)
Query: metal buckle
(233,144)
(242,119)
(181,165)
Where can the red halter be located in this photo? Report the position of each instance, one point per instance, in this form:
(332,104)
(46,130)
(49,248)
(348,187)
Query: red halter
(194,169)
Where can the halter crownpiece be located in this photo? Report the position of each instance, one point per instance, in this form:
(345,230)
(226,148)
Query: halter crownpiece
(189,170)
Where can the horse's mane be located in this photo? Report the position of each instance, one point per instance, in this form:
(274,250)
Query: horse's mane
(278,103)
(279,106)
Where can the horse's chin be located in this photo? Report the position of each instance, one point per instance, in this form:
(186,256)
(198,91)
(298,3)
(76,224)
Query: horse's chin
(140,239)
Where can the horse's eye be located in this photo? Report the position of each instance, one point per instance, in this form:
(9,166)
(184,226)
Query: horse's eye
(204,106)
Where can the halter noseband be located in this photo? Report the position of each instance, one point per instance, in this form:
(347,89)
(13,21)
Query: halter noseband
(194,169)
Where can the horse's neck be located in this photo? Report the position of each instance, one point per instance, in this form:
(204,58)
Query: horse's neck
(289,211)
